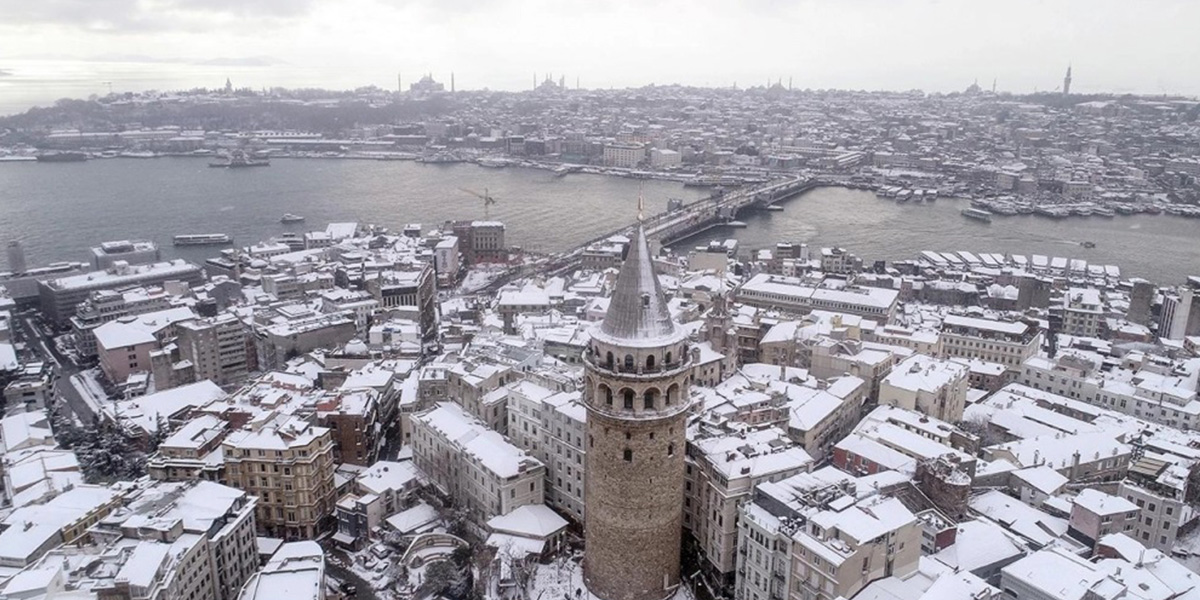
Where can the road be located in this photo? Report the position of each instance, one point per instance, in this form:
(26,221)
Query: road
(340,573)
(63,368)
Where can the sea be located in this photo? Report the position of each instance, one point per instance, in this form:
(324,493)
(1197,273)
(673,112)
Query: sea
(60,210)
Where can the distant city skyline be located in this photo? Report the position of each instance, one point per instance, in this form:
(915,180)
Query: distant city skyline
(871,45)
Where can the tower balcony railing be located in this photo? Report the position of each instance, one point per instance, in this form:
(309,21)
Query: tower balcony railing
(639,370)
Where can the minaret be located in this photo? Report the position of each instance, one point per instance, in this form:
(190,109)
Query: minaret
(451,82)
(1067,82)
(636,392)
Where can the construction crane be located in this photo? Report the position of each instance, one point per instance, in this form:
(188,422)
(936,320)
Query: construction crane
(487,198)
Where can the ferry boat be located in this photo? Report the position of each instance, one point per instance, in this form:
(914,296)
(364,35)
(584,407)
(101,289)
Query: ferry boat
(202,239)
(978,214)
(62,157)
(290,218)
(240,159)
(774,208)
(492,162)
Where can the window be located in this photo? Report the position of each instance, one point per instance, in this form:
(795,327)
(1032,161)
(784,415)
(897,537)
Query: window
(648,398)
(650,362)
(628,455)
(628,362)
(671,449)
(628,399)
(608,360)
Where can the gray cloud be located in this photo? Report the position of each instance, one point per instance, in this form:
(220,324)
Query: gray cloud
(120,16)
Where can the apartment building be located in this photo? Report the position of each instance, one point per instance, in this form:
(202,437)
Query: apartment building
(1009,343)
(813,537)
(721,471)
(288,464)
(219,348)
(473,464)
(931,386)
(60,297)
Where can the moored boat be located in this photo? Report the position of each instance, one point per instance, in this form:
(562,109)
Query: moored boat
(202,239)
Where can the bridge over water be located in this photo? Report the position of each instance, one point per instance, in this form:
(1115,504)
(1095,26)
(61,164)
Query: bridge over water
(669,226)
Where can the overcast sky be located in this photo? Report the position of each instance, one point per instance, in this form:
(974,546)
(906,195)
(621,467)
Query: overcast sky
(1120,46)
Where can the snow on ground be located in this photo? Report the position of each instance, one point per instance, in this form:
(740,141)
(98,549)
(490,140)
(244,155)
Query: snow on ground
(89,388)
(480,276)
(562,579)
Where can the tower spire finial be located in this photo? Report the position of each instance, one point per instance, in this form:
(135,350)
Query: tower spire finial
(641,205)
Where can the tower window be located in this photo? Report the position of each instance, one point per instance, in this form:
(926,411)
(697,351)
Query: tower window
(606,392)
(628,399)
(628,362)
(608,360)
(668,358)
(648,398)
(628,455)
(645,300)
(671,449)
(650,363)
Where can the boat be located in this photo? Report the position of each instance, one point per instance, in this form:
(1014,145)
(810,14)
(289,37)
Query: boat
(736,224)
(17,158)
(978,214)
(137,154)
(774,208)
(290,218)
(1104,211)
(492,162)
(240,159)
(1088,244)
(202,239)
(62,157)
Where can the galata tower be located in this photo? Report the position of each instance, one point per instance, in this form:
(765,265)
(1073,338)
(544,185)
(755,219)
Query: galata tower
(637,369)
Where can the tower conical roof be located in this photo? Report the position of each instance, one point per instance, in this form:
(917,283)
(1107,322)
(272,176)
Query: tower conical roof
(637,313)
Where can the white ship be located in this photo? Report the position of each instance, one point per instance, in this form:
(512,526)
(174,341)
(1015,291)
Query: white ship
(202,239)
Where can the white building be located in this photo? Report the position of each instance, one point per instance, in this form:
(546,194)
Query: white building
(473,464)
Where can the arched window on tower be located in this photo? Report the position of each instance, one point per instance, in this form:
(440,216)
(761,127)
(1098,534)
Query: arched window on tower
(628,455)
(650,362)
(649,398)
(671,449)
(628,362)
(628,393)
(667,360)
(608,360)
(672,392)
(606,393)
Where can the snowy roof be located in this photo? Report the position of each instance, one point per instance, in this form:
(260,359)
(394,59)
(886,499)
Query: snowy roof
(1058,574)
(144,412)
(536,521)
(387,475)
(978,544)
(295,572)
(1042,478)
(1102,504)
(140,329)
(413,519)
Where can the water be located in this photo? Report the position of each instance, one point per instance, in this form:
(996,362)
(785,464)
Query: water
(58,211)
(1162,248)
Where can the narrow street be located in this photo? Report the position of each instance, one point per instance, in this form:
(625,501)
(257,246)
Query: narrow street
(62,367)
(340,573)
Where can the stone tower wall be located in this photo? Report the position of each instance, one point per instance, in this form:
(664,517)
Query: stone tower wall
(634,507)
